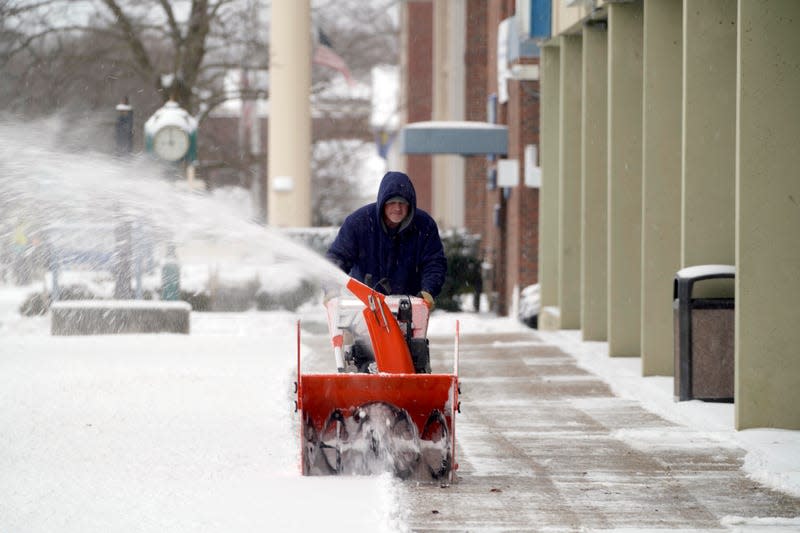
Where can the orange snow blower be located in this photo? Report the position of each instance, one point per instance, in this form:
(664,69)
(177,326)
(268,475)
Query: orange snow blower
(383,410)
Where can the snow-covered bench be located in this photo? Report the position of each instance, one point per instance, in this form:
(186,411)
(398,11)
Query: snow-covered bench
(104,317)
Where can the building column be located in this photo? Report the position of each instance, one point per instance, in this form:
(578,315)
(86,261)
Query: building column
(661,181)
(416,62)
(768,216)
(448,104)
(624,177)
(709,126)
(289,152)
(569,184)
(475,87)
(548,192)
(594,183)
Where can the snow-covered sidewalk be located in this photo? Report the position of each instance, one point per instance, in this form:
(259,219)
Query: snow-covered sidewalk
(773,455)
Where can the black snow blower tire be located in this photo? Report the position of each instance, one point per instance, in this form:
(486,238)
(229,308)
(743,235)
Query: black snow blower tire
(436,445)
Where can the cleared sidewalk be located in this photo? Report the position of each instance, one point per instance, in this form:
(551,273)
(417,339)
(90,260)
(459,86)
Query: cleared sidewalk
(544,445)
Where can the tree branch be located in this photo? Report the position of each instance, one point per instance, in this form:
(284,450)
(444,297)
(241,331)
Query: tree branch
(131,37)
(174,30)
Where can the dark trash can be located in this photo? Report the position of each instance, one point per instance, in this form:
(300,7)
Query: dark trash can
(704,337)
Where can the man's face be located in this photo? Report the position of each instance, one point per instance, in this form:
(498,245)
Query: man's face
(394,213)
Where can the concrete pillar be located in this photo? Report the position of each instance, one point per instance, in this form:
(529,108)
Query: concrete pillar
(709,125)
(661,180)
(548,193)
(594,183)
(768,216)
(569,184)
(289,151)
(449,20)
(624,177)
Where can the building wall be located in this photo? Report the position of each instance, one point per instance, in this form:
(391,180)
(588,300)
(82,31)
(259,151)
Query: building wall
(475,82)
(506,220)
(569,17)
(594,183)
(737,65)
(768,216)
(496,218)
(625,68)
(550,133)
(522,222)
(418,88)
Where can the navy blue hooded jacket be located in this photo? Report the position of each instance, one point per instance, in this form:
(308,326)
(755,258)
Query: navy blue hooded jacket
(410,257)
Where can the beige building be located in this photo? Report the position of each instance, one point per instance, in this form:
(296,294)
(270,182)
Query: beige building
(671,127)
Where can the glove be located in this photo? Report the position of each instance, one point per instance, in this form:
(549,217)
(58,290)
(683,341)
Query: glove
(428,299)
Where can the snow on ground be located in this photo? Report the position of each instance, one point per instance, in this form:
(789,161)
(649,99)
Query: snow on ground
(442,323)
(773,455)
(164,433)
(197,432)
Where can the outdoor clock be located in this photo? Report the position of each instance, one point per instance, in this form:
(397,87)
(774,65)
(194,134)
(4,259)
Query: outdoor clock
(171,143)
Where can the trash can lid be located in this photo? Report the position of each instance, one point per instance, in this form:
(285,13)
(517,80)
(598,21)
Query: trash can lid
(706,271)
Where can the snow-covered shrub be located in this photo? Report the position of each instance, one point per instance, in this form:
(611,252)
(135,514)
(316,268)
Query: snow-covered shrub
(38,303)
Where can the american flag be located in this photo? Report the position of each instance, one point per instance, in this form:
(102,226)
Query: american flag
(325,55)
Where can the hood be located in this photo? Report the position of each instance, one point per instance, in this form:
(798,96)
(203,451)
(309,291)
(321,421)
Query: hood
(397,184)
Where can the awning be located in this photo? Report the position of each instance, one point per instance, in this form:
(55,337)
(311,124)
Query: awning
(454,137)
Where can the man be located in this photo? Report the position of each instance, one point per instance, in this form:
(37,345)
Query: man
(393,244)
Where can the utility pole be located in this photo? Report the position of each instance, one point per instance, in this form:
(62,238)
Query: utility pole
(289,150)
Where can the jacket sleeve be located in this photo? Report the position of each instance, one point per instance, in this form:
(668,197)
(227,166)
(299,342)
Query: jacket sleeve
(433,263)
(344,251)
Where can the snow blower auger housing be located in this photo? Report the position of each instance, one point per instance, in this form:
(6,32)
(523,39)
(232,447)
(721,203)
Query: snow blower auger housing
(383,410)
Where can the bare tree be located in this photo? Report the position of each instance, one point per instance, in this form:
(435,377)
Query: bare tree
(182,49)
(179,49)
(83,56)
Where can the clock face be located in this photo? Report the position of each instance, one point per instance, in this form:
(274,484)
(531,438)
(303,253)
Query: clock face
(170,143)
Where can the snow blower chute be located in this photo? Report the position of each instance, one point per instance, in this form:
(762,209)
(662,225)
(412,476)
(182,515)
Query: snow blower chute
(383,410)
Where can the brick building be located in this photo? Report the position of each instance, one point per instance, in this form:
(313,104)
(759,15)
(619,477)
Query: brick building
(450,73)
